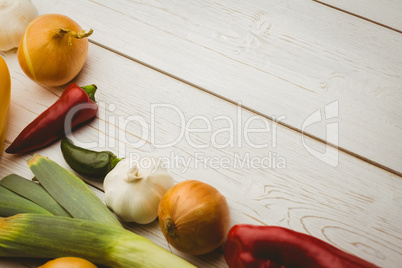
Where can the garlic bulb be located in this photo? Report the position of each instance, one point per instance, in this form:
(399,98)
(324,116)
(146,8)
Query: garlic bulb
(134,193)
(15,15)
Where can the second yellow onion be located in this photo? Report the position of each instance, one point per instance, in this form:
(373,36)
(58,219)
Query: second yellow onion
(194,217)
(68,262)
(53,49)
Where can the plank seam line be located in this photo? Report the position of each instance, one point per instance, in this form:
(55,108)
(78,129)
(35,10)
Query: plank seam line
(358,16)
(362,158)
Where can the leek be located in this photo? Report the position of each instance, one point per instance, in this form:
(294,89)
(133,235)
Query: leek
(34,192)
(42,236)
(70,191)
(12,203)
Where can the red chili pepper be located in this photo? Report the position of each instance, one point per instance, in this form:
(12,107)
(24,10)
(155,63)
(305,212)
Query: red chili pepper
(251,246)
(53,123)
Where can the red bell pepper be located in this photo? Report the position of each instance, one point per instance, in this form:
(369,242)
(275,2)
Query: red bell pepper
(54,123)
(251,246)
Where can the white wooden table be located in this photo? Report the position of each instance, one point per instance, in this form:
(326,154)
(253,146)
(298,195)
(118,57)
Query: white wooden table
(291,108)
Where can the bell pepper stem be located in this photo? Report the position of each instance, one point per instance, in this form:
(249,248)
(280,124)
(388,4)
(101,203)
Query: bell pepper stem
(90,90)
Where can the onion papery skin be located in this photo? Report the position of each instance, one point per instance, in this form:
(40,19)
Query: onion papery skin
(47,58)
(194,217)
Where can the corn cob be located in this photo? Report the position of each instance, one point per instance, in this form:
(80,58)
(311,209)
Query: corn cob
(70,191)
(33,192)
(41,236)
(12,203)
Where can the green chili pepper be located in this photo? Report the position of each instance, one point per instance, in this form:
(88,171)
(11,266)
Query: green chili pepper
(86,162)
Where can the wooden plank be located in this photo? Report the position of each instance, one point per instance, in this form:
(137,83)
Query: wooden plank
(351,206)
(383,12)
(278,58)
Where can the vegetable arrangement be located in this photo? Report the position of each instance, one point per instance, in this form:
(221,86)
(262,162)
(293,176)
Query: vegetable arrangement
(91,232)
(72,224)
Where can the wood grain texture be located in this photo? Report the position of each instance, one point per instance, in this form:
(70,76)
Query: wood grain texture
(384,12)
(288,58)
(354,206)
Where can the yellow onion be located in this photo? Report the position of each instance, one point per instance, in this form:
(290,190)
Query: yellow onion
(53,49)
(68,262)
(194,217)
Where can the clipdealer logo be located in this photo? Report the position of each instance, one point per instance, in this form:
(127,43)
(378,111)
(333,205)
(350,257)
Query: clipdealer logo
(220,132)
(330,155)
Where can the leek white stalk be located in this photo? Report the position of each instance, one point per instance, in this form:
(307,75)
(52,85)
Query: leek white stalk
(134,192)
(44,236)
(15,15)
